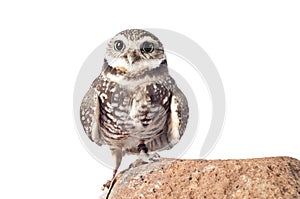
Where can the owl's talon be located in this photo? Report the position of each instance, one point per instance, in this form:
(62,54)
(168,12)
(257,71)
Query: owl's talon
(154,157)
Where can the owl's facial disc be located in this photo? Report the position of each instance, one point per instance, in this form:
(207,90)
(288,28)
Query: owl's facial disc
(132,52)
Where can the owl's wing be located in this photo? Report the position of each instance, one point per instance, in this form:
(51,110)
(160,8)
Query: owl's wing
(179,116)
(90,112)
(177,120)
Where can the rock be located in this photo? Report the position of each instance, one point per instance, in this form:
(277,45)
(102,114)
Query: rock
(275,177)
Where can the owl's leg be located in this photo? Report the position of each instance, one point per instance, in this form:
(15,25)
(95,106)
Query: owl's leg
(142,148)
(118,154)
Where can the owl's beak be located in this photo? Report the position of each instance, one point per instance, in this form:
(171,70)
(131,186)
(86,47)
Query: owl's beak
(132,57)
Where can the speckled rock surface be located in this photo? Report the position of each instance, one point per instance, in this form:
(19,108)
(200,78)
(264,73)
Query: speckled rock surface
(276,177)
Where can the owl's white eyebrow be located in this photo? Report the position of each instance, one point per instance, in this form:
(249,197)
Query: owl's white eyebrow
(120,37)
(146,38)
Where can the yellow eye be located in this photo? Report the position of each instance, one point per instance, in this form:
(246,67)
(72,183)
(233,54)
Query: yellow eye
(147,47)
(119,45)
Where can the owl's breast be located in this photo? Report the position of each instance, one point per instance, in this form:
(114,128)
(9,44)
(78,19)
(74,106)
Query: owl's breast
(139,113)
(150,105)
(114,109)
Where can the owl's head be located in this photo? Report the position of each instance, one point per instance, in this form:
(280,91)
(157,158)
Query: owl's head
(134,50)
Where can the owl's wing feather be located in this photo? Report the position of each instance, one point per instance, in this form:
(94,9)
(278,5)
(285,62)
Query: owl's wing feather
(179,115)
(177,120)
(90,112)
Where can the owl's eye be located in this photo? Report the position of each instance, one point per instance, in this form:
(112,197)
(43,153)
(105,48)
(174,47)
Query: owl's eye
(147,47)
(119,45)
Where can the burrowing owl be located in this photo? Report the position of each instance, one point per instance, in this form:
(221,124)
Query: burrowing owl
(134,104)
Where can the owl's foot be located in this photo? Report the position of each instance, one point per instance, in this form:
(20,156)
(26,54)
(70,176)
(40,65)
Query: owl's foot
(109,182)
(106,185)
(109,185)
(153,157)
(145,158)
(144,155)
(149,158)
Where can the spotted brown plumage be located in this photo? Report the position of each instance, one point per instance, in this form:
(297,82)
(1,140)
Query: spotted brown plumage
(134,104)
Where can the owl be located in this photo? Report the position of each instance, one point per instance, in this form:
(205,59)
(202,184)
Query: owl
(134,106)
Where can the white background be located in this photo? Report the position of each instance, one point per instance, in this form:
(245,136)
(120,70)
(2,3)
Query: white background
(255,46)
